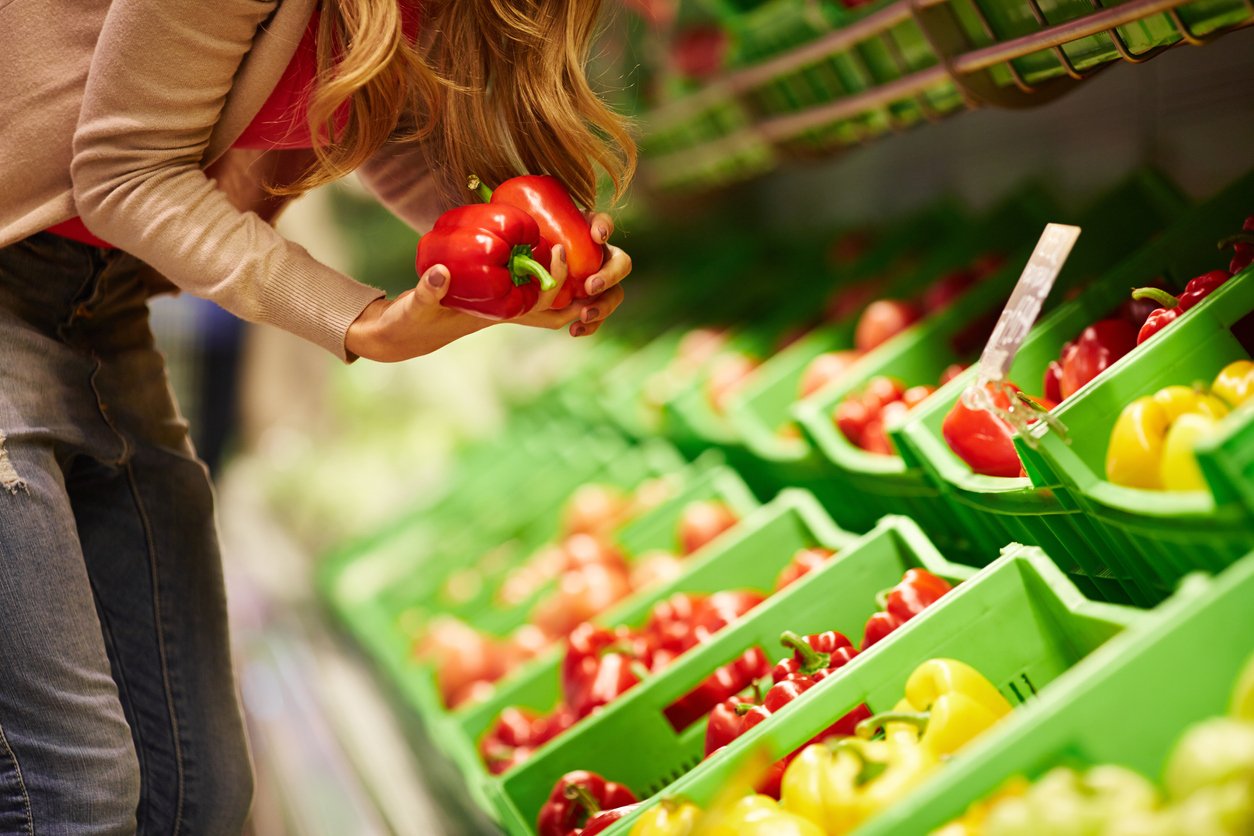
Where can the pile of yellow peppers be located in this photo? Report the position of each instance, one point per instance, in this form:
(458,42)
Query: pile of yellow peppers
(1207,788)
(833,787)
(1151,445)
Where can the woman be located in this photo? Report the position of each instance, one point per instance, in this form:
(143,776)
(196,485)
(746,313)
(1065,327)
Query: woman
(152,140)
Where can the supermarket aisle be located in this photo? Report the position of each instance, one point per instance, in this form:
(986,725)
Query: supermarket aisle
(330,755)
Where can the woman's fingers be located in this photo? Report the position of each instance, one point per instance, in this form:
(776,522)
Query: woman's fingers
(602,226)
(432,286)
(557,269)
(616,267)
(599,308)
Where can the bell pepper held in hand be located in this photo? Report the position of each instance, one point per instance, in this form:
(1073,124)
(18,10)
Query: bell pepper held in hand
(491,254)
(559,221)
(577,800)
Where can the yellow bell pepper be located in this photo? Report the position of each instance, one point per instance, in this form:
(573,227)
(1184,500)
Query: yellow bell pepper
(668,818)
(1234,384)
(760,815)
(949,701)
(842,784)
(1135,457)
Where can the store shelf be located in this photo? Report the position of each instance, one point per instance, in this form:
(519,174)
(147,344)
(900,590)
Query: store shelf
(904,64)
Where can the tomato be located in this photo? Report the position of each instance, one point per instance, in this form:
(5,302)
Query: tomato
(882,320)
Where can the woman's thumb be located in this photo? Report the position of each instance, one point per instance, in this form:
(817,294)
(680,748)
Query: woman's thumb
(432,286)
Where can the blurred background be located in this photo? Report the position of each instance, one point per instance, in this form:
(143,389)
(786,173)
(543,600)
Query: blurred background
(768,131)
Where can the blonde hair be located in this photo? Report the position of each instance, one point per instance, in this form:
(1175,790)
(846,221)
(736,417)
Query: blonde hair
(494,87)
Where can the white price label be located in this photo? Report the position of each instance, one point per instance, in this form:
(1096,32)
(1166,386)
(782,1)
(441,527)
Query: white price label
(1017,319)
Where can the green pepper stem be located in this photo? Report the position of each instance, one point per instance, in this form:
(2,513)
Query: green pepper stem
(580,795)
(479,187)
(525,264)
(812,661)
(1156,294)
(638,670)
(881,598)
(869,727)
(1233,240)
(868,770)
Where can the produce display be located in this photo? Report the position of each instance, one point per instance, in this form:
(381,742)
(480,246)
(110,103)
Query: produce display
(1207,787)
(744,574)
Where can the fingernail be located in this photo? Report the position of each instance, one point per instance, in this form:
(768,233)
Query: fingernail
(596,285)
(437,277)
(579,331)
(590,314)
(603,232)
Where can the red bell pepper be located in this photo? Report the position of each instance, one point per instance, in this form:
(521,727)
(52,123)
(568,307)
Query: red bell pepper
(725,722)
(719,686)
(1173,306)
(1097,347)
(1242,247)
(578,800)
(982,439)
(490,253)
(559,220)
(518,732)
(601,664)
(917,590)
(803,562)
(814,657)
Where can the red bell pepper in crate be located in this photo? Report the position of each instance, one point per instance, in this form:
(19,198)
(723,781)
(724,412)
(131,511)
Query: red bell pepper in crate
(917,591)
(1173,306)
(583,803)
(600,664)
(1242,247)
(491,254)
(559,221)
(719,686)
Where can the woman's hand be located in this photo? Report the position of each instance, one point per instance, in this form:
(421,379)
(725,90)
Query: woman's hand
(415,323)
(412,324)
(584,316)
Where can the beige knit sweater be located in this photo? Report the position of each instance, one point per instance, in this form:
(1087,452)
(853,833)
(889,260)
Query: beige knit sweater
(113,110)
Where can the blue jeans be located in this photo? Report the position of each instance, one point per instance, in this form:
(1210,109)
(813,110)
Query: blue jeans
(118,706)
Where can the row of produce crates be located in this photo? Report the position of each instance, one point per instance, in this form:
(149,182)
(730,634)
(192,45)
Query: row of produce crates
(1046,566)
(810,76)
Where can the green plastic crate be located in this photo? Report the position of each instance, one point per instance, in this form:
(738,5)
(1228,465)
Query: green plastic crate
(1118,222)
(966,20)
(1018,621)
(1154,538)
(906,260)
(859,487)
(839,595)
(1128,703)
(655,529)
(988,511)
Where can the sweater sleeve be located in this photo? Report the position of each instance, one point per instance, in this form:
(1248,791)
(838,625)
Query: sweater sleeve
(157,84)
(398,175)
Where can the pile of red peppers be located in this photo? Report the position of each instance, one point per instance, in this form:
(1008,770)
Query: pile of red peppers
(601,663)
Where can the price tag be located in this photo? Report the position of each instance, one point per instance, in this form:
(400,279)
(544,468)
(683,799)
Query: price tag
(1016,321)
